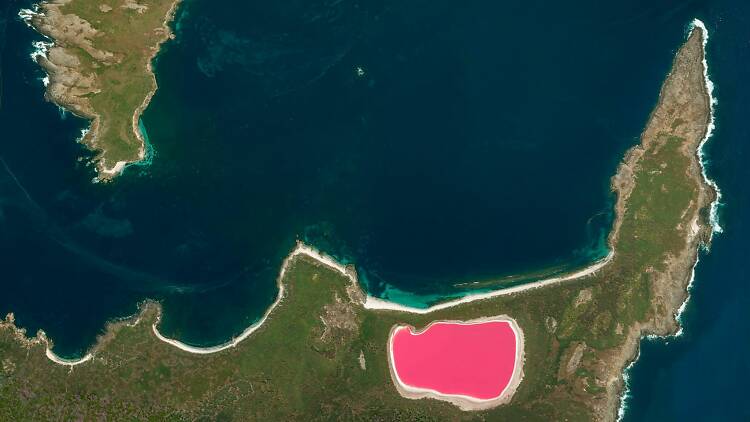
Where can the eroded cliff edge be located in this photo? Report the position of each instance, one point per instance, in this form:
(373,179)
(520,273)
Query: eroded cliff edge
(98,63)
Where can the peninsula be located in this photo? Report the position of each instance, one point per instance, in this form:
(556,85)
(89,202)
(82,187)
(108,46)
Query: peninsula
(321,352)
(98,63)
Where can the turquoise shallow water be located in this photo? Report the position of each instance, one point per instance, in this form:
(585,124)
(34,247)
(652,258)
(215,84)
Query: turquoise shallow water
(478,143)
(465,151)
(453,157)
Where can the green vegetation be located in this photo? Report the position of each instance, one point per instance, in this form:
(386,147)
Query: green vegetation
(131,36)
(302,364)
(113,46)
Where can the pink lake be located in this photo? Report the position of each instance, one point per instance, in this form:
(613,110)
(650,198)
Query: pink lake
(469,359)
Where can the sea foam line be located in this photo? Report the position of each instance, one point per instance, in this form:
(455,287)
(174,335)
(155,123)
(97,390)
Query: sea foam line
(626,392)
(27,15)
(713,215)
(84,132)
(41,48)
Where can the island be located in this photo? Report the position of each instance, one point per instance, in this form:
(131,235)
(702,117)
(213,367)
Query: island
(98,62)
(321,351)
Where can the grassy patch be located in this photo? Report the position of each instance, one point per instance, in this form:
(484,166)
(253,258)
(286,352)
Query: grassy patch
(289,370)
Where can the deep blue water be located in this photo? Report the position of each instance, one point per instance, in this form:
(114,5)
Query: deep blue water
(702,374)
(478,143)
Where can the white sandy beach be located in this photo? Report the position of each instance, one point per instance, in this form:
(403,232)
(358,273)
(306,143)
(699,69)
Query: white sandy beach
(377,303)
(374,303)
(369,303)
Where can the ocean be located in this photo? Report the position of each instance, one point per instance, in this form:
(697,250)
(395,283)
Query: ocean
(432,145)
(699,375)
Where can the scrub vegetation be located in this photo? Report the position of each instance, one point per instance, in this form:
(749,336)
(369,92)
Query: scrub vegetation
(99,68)
(304,362)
